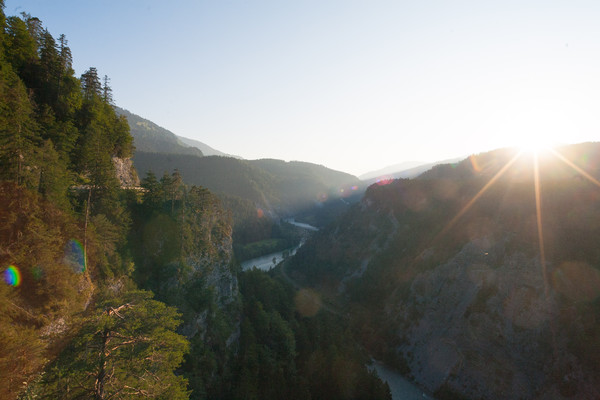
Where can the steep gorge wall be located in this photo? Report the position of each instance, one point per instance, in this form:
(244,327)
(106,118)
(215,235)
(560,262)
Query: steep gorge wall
(464,303)
(489,329)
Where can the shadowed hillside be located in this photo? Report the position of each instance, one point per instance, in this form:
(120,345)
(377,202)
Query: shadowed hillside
(283,188)
(472,281)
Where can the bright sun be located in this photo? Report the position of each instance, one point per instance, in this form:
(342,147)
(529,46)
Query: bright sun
(535,143)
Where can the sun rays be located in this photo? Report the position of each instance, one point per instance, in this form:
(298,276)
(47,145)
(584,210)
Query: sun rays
(575,167)
(534,152)
(470,204)
(537,155)
(538,217)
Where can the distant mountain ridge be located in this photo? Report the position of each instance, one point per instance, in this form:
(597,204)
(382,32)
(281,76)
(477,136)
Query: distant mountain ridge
(150,137)
(391,169)
(203,147)
(408,169)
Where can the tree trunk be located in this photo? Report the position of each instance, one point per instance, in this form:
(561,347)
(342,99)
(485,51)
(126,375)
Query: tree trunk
(99,386)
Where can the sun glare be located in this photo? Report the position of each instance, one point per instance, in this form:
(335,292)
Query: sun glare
(535,144)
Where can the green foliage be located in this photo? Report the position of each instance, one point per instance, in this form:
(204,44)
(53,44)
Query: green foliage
(173,226)
(18,130)
(52,139)
(20,48)
(271,185)
(284,355)
(128,349)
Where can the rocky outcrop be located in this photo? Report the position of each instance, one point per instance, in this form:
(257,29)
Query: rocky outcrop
(125,172)
(222,283)
(210,271)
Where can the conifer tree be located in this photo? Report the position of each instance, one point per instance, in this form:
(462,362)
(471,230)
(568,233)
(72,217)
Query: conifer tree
(106,90)
(90,84)
(128,349)
(152,197)
(48,71)
(2,28)
(21,49)
(17,131)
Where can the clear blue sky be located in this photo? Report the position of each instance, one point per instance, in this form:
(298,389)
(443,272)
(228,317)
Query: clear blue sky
(352,85)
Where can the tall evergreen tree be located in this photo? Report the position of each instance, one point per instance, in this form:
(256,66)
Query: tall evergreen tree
(18,138)
(90,84)
(21,49)
(49,70)
(128,349)
(106,90)
(2,29)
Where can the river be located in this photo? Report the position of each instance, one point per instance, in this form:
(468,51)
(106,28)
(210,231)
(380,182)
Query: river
(301,225)
(269,261)
(401,388)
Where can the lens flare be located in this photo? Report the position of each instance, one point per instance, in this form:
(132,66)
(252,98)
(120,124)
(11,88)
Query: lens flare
(75,256)
(308,302)
(322,197)
(474,164)
(384,180)
(12,276)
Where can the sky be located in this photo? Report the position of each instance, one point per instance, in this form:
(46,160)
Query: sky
(352,85)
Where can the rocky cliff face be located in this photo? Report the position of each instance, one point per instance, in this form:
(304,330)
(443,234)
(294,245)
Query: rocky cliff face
(184,253)
(222,283)
(446,279)
(216,276)
(210,269)
(125,172)
(484,325)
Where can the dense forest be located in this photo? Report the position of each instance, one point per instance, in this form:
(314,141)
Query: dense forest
(117,292)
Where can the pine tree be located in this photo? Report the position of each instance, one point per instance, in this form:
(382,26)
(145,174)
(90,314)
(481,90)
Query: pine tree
(106,90)
(21,49)
(49,71)
(128,349)
(152,198)
(90,84)
(18,138)
(2,29)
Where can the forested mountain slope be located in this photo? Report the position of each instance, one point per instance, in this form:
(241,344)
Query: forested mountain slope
(115,293)
(479,279)
(277,187)
(149,137)
(65,291)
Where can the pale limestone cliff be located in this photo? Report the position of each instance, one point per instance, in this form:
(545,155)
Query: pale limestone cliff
(125,172)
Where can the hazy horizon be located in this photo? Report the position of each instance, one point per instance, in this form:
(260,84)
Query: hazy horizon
(350,85)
